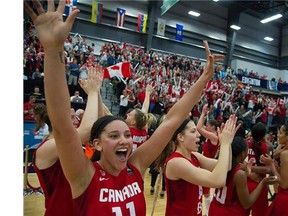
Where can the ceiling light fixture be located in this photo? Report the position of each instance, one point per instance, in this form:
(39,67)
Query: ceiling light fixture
(193,13)
(246,47)
(277,16)
(268,39)
(216,0)
(235,27)
(216,38)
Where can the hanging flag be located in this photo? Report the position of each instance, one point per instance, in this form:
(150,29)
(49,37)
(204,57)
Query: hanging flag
(70,6)
(96,14)
(119,70)
(161,27)
(179,32)
(120,17)
(142,22)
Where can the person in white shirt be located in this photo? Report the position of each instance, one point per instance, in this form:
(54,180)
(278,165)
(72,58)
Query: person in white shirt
(123,103)
(76,98)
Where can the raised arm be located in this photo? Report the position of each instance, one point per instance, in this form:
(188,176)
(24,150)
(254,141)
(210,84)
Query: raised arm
(47,154)
(91,86)
(52,32)
(180,168)
(176,115)
(100,106)
(202,129)
(146,103)
(106,111)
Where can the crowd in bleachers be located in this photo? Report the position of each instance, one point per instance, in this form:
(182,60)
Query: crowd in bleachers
(169,74)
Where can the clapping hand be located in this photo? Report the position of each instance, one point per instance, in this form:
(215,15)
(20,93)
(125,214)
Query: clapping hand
(93,81)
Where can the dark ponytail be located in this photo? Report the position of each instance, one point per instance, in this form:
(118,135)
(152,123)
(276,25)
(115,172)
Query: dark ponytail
(238,146)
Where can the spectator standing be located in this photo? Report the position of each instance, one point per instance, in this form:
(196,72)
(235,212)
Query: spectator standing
(159,108)
(123,104)
(76,98)
(37,93)
(83,71)
(36,74)
(73,76)
(111,59)
(28,108)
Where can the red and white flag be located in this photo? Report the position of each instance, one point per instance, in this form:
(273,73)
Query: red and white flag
(120,17)
(119,70)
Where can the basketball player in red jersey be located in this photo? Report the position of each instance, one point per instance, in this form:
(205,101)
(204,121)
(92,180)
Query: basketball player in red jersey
(256,147)
(137,120)
(210,146)
(46,163)
(279,205)
(186,170)
(234,198)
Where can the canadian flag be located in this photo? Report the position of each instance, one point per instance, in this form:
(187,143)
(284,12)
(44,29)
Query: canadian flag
(121,69)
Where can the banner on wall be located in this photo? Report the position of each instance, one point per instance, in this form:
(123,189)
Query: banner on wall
(142,23)
(70,6)
(120,17)
(96,13)
(161,27)
(179,32)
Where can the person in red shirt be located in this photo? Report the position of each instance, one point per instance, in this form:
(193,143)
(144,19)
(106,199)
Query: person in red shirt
(186,170)
(211,144)
(264,116)
(137,120)
(28,108)
(234,198)
(279,204)
(256,147)
(196,113)
(141,96)
(46,161)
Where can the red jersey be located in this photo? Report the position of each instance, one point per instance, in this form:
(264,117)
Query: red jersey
(113,195)
(260,207)
(28,106)
(183,198)
(279,205)
(210,150)
(57,191)
(251,153)
(138,136)
(141,97)
(225,201)
(196,112)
